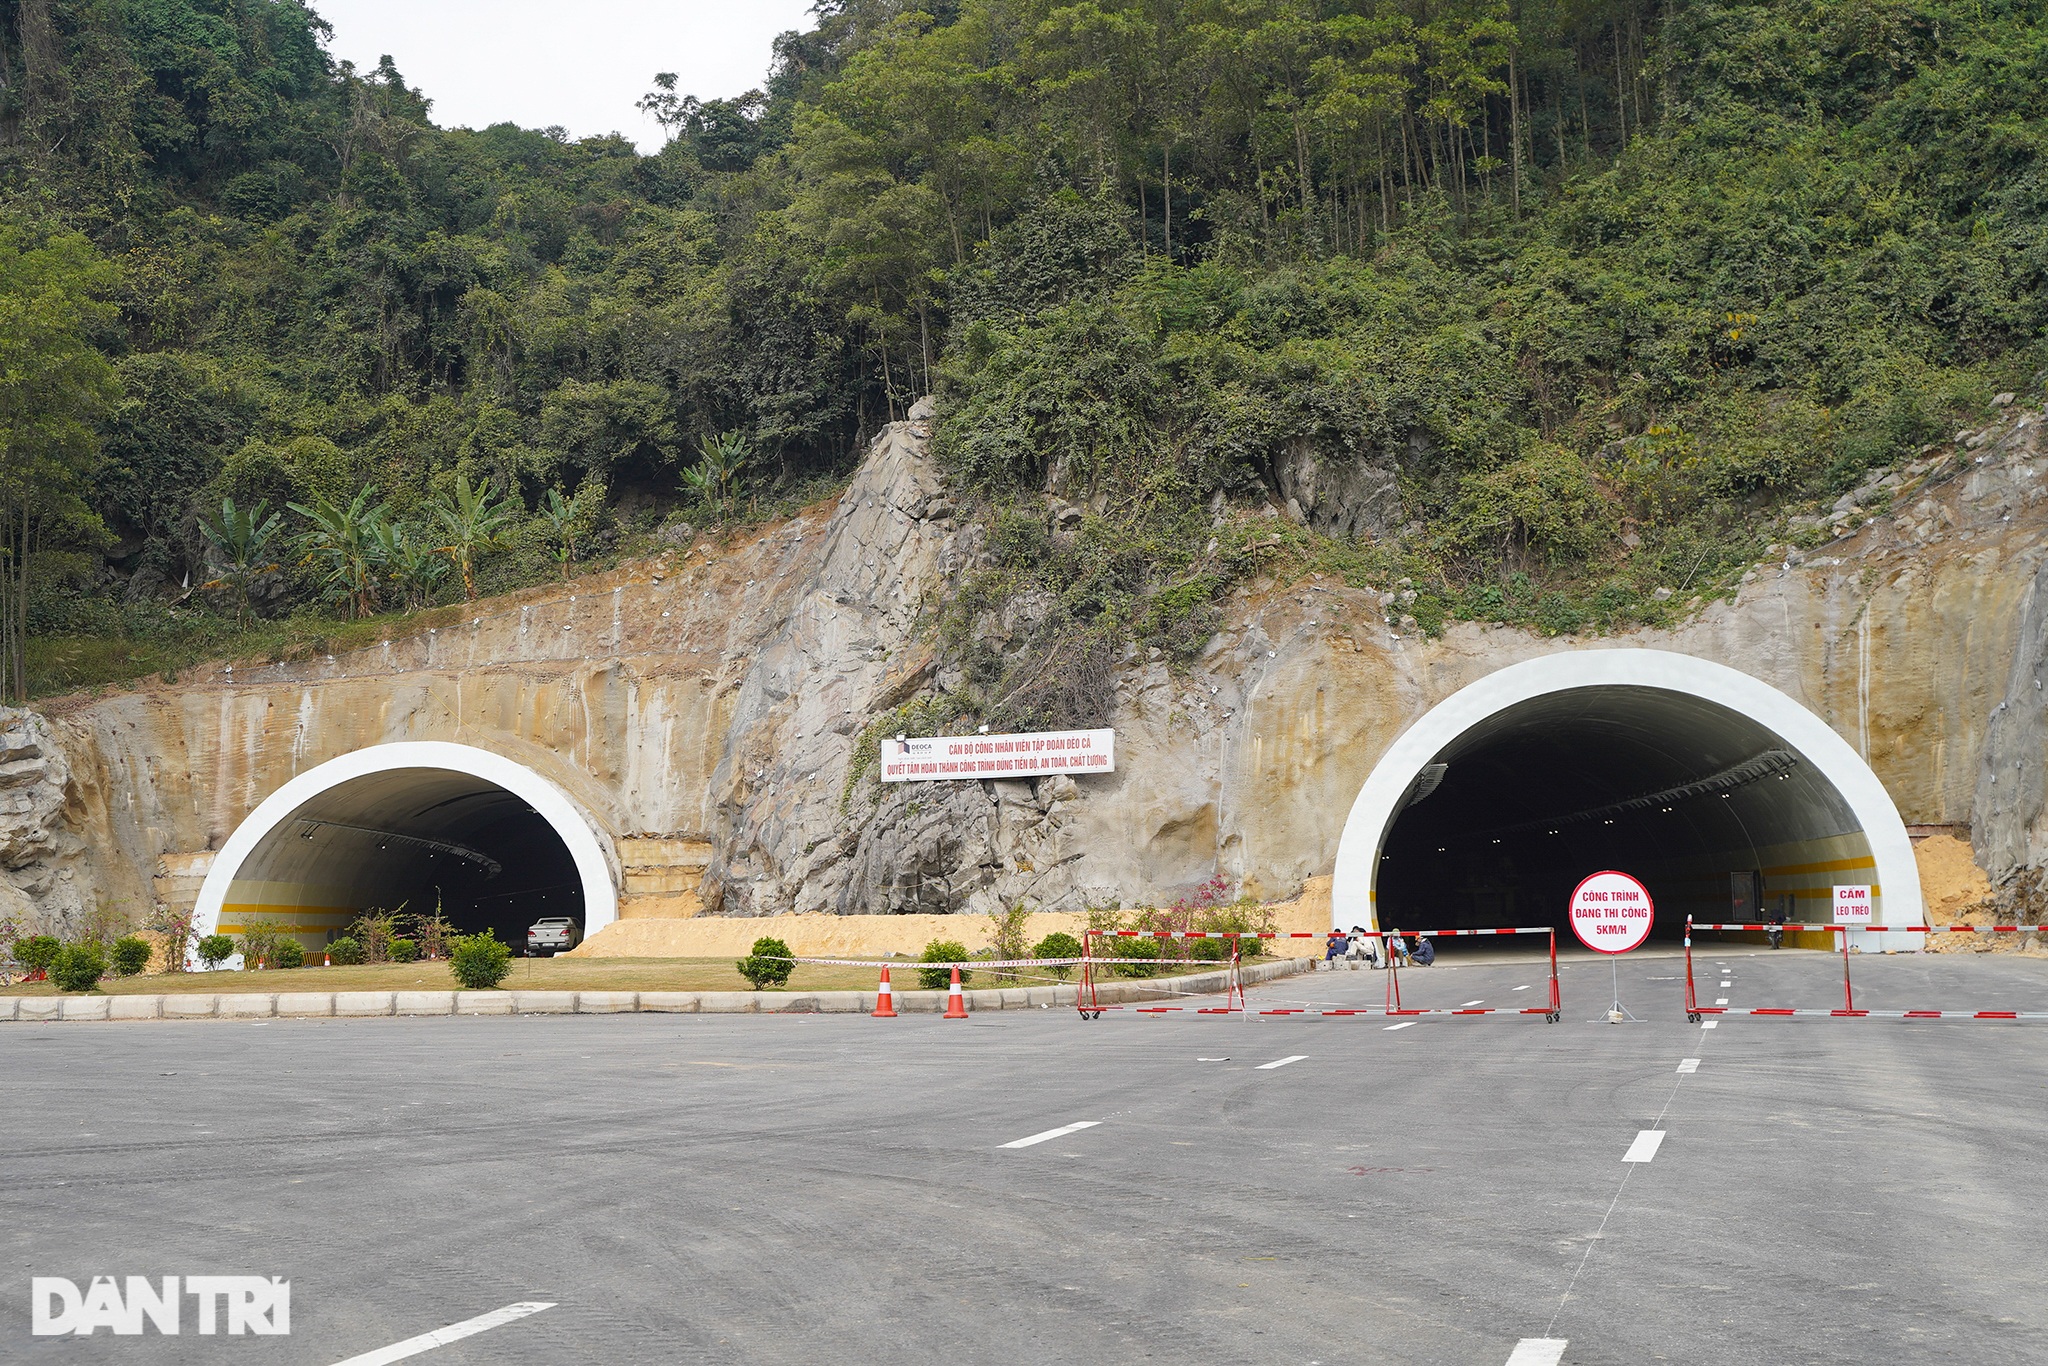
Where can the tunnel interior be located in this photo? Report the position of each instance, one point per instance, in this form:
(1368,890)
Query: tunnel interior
(407,840)
(1715,814)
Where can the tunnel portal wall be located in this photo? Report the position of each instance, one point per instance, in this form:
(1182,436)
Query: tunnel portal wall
(1864,841)
(321,890)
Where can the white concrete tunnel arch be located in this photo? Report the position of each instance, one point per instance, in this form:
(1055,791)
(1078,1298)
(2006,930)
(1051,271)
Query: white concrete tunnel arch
(1380,802)
(580,836)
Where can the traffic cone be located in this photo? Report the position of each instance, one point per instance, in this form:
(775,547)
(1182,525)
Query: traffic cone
(956,1004)
(885,999)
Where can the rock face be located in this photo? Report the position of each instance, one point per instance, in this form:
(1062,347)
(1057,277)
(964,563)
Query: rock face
(716,698)
(39,846)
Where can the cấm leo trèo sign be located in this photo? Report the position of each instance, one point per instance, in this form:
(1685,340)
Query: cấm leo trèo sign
(1034,754)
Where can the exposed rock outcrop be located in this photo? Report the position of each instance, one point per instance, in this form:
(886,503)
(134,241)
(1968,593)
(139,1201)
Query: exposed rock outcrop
(39,844)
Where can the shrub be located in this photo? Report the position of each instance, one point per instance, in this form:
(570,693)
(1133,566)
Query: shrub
(36,953)
(345,952)
(1058,944)
(260,943)
(374,930)
(767,963)
(78,967)
(1210,950)
(1247,916)
(1143,947)
(1007,930)
(942,951)
(479,961)
(215,949)
(131,955)
(290,954)
(404,951)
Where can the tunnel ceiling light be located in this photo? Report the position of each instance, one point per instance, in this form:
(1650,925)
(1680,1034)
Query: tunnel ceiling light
(1771,762)
(386,838)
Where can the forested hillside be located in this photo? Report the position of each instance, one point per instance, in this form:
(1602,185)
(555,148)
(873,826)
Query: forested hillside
(1552,310)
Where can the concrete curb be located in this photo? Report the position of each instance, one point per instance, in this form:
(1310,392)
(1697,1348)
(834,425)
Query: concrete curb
(356,1004)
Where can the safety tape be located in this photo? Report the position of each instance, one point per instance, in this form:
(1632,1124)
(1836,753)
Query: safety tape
(1381,1012)
(1881,1014)
(1812,925)
(979,963)
(1329,934)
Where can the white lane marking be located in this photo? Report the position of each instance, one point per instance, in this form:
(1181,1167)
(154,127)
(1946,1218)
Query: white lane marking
(1688,1064)
(1709,1024)
(1480,1002)
(1279,1062)
(1405,1024)
(1523,987)
(1727,982)
(1645,1147)
(1050,1134)
(1212,1060)
(454,1332)
(1537,1352)
(1720,1000)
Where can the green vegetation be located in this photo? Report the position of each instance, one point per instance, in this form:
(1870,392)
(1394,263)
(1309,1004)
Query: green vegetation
(130,955)
(36,952)
(344,952)
(216,949)
(479,961)
(941,978)
(290,954)
(1533,312)
(78,967)
(1058,944)
(767,965)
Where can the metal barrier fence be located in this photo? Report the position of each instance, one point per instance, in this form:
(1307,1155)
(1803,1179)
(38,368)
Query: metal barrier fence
(1090,1006)
(1695,1012)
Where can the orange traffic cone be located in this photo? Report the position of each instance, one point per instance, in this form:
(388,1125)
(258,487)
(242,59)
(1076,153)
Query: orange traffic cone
(885,999)
(956,1004)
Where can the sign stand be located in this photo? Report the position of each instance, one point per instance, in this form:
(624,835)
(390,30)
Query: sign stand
(1611,913)
(1618,1013)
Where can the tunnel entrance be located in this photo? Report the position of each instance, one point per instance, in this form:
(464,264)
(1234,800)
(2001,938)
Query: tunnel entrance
(406,828)
(1723,795)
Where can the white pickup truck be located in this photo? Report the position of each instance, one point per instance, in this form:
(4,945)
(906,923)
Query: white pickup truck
(552,935)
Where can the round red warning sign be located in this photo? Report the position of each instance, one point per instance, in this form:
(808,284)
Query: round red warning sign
(1611,912)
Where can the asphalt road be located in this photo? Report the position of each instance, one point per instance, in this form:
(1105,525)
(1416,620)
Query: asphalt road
(826,1189)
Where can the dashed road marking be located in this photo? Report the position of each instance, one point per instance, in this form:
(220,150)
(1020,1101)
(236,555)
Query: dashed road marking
(1726,982)
(1688,1064)
(1279,1062)
(454,1332)
(1720,1000)
(1523,987)
(1537,1352)
(1645,1147)
(1051,1134)
(1710,1024)
(1405,1024)
(1479,1002)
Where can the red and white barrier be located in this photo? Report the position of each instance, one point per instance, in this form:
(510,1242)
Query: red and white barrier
(1694,1011)
(1090,1005)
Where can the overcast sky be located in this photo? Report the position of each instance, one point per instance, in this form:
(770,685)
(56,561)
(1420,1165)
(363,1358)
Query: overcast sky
(579,65)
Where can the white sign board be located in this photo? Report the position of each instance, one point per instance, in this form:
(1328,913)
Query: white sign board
(1611,912)
(1034,755)
(1852,905)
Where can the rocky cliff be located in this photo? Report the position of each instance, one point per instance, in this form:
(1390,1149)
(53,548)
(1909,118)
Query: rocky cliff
(714,699)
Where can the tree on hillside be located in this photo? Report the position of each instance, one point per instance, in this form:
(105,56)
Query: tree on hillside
(343,542)
(54,387)
(241,549)
(475,523)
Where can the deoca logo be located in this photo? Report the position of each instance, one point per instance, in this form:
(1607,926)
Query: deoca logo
(235,1305)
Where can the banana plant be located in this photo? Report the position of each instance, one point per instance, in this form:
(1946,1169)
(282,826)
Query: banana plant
(715,478)
(474,523)
(241,545)
(343,541)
